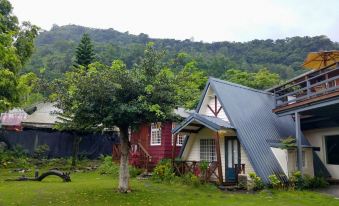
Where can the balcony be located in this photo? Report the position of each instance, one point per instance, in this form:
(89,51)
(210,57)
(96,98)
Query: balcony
(308,89)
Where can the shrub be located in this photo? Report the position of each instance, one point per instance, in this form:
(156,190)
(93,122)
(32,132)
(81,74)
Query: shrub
(134,172)
(275,182)
(319,182)
(108,167)
(14,158)
(299,182)
(257,183)
(41,152)
(190,179)
(163,171)
(296,181)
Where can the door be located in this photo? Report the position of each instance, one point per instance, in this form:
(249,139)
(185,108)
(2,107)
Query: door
(232,152)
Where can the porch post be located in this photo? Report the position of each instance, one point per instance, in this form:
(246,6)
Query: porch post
(298,139)
(217,149)
(174,148)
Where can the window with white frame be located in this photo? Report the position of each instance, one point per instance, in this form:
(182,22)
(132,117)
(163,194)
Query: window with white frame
(180,139)
(207,150)
(155,134)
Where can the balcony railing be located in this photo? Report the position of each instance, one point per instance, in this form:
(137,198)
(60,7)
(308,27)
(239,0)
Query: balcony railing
(309,86)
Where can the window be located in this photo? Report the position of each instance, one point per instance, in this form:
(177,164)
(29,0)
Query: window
(180,139)
(155,134)
(207,150)
(303,158)
(332,149)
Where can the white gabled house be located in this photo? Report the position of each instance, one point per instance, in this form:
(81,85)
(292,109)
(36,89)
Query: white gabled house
(236,132)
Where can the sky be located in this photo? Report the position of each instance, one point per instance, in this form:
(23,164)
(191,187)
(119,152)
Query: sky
(202,20)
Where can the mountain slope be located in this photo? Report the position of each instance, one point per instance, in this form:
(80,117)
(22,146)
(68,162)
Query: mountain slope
(55,51)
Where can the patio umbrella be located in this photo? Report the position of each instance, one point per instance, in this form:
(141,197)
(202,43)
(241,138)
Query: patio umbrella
(319,60)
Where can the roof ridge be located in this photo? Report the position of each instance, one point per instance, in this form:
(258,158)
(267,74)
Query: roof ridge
(240,86)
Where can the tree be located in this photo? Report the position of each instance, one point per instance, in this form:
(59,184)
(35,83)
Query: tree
(103,97)
(263,79)
(85,51)
(190,82)
(16,46)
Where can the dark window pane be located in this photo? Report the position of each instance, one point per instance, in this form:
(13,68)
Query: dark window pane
(332,149)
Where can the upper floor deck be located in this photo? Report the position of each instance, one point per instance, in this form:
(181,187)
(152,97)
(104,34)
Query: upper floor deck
(309,89)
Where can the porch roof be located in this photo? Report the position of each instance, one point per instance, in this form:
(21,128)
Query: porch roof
(213,123)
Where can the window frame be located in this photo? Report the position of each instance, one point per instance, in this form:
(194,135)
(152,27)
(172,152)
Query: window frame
(157,131)
(210,149)
(326,149)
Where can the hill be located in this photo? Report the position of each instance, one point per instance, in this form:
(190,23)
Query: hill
(55,51)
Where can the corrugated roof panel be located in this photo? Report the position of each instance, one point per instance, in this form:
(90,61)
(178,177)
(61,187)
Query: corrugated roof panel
(250,112)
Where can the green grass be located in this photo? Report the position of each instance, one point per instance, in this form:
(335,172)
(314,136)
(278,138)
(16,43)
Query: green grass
(93,189)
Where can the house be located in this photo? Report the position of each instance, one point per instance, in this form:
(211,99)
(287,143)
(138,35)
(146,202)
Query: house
(235,130)
(12,119)
(313,100)
(152,142)
(238,130)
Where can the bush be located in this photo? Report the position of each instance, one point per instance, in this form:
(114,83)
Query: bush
(319,182)
(275,182)
(189,179)
(163,171)
(14,158)
(296,181)
(299,182)
(108,167)
(257,183)
(41,152)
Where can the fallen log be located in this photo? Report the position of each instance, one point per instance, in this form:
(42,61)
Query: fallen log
(63,175)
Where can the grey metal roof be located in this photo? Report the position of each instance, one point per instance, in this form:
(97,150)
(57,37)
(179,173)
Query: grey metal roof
(45,116)
(250,112)
(213,123)
(182,112)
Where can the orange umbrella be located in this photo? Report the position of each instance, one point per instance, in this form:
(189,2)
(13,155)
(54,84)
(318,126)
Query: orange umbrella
(319,60)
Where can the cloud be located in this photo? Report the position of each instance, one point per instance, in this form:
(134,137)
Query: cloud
(207,20)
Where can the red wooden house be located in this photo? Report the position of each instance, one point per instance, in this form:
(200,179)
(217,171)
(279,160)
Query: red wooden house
(152,142)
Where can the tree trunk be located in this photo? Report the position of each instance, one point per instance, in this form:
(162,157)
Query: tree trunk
(124,173)
(75,150)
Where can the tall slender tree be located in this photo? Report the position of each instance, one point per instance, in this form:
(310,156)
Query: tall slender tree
(85,52)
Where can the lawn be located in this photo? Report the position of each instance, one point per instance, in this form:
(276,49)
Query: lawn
(94,189)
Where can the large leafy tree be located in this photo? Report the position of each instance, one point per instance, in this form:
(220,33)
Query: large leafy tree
(190,81)
(84,52)
(263,79)
(102,97)
(16,46)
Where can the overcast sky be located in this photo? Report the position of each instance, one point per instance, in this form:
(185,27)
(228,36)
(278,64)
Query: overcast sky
(206,20)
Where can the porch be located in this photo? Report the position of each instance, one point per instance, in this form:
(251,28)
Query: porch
(206,171)
(211,150)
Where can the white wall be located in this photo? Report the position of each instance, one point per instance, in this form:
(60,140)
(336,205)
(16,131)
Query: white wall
(209,99)
(282,156)
(308,169)
(244,160)
(317,139)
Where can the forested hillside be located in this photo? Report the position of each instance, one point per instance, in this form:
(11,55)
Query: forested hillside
(55,50)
